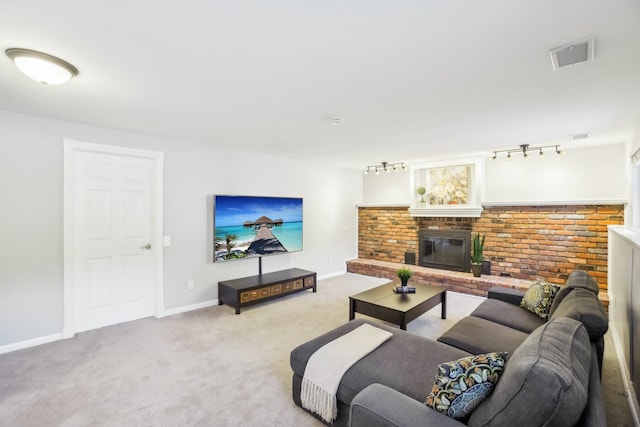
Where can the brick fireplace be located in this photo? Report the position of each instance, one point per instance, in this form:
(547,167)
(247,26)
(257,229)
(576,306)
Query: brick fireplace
(525,242)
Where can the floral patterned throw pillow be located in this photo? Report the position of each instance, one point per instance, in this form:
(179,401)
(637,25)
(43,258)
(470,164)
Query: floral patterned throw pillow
(463,384)
(539,297)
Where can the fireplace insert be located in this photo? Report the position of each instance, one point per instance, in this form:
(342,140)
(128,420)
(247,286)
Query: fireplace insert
(445,249)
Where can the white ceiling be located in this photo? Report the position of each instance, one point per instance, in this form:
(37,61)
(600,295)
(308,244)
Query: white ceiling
(413,79)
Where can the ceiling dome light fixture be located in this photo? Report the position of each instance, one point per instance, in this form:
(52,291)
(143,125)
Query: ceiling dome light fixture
(42,67)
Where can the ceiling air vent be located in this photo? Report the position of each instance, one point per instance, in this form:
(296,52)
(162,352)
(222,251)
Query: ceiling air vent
(572,54)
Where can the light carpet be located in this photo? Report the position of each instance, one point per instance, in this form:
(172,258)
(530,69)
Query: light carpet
(208,367)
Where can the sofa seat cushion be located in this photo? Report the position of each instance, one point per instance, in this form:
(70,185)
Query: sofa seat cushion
(508,314)
(381,406)
(479,336)
(405,362)
(582,305)
(545,381)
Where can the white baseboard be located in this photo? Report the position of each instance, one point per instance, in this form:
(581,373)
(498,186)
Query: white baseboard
(185,308)
(333,274)
(59,336)
(30,343)
(626,375)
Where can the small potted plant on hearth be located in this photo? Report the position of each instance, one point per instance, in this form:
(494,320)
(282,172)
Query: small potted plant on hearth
(404,274)
(477,248)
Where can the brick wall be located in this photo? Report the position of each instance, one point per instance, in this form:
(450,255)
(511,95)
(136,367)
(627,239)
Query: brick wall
(526,242)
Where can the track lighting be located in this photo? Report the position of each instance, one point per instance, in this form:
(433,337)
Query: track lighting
(386,167)
(525,149)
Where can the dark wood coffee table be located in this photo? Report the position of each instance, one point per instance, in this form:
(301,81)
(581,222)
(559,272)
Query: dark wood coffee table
(384,304)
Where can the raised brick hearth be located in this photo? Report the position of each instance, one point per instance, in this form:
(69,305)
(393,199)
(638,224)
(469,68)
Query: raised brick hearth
(452,280)
(526,242)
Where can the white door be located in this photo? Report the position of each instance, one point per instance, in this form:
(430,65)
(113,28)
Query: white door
(113,239)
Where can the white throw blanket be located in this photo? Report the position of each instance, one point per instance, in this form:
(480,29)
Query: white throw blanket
(328,364)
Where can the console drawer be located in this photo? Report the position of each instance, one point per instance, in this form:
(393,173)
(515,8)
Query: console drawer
(309,282)
(276,289)
(248,296)
(264,292)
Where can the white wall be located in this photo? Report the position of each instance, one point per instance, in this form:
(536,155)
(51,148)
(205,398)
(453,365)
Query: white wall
(594,173)
(624,258)
(632,213)
(386,188)
(31,191)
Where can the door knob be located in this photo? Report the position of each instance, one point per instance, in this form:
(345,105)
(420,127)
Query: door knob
(147,246)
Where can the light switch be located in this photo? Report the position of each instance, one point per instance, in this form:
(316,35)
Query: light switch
(167,241)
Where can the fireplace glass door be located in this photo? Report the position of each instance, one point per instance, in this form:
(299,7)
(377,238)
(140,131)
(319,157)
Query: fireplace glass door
(445,249)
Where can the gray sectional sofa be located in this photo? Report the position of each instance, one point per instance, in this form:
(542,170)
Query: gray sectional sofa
(551,377)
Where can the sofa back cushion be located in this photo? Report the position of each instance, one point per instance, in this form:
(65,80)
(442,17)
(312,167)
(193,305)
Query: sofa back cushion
(578,279)
(545,381)
(582,279)
(582,305)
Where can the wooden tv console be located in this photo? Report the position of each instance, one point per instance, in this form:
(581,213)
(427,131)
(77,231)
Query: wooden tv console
(249,290)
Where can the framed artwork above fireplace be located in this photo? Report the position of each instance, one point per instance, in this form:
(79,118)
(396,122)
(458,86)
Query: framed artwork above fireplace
(447,188)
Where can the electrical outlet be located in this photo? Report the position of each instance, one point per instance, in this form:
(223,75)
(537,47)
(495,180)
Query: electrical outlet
(190,284)
(330,259)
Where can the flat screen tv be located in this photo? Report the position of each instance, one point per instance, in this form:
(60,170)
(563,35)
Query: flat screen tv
(253,226)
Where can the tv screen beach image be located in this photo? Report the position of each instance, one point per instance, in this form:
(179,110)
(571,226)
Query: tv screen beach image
(251,226)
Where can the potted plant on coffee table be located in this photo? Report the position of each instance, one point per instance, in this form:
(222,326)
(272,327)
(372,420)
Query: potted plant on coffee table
(477,248)
(404,274)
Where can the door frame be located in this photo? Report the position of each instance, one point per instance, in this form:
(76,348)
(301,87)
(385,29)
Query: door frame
(71,147)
